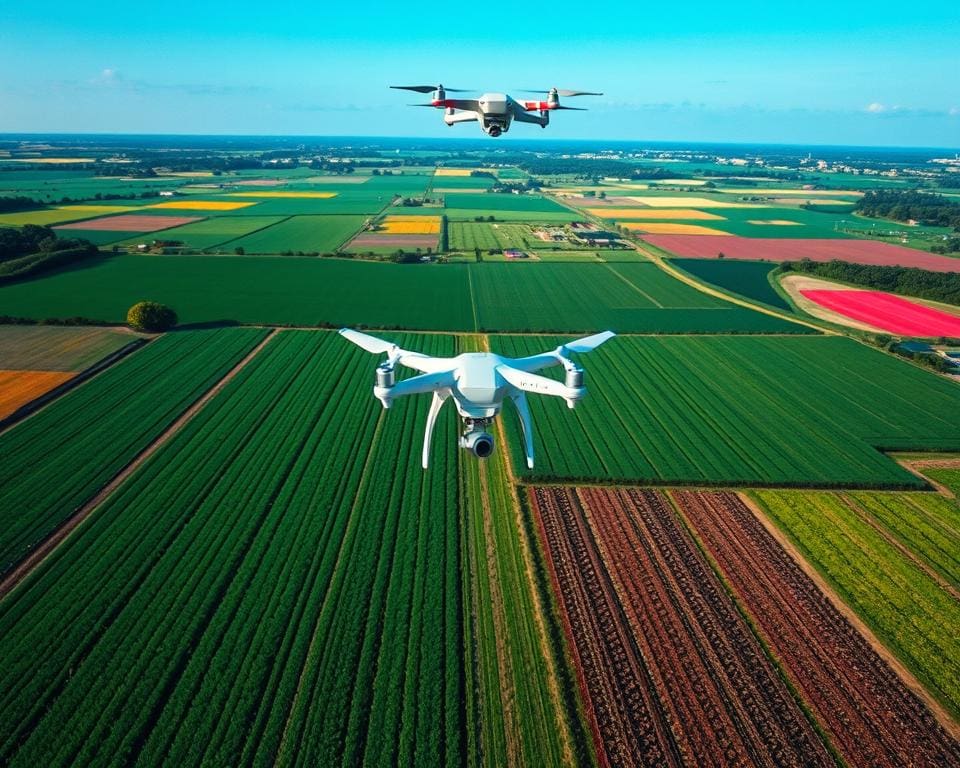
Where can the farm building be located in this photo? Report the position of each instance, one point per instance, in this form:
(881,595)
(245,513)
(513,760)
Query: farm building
(599,238)
(513,253)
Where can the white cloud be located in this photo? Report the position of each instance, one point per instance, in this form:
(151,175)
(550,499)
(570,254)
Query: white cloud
(876,107)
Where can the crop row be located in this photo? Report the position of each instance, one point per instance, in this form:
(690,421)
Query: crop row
(59,458)
(672,672)
(522,702)
(279,584)
(872,718)
(737,410)
(909,607)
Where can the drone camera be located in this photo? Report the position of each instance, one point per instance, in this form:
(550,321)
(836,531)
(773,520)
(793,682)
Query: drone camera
(480,443)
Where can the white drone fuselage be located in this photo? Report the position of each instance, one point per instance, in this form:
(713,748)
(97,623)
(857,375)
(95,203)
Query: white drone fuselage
(478,383)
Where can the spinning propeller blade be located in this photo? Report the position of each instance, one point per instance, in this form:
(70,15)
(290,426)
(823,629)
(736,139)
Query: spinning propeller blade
(578,109)
(589,342)
(367,342)
(428,88)
(560,92)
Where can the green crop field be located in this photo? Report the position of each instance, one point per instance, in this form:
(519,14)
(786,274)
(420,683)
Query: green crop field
(747,278)
(466,236)
(244,548)
(322,234)
(903,604)
(505,202)
(214,231)
(737,221)
(456,213)
(738,411)
(86,437)
(456,297)
(949,477)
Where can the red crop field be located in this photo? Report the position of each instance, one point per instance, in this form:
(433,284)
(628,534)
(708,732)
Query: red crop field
(670,672)
(872,718)
(789,249)
(132,222)
(891,313)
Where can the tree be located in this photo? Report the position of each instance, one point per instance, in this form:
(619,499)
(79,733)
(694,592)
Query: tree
(239,250)
(151,316)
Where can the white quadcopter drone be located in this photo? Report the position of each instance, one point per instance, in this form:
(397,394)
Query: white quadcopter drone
(478,382)
(495,111)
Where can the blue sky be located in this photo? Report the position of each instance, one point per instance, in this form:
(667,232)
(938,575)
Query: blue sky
(815,73)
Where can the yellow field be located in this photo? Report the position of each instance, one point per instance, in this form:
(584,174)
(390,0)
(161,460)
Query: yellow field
(410,225)
(688,202)
(20,387)
(654,213)
(683,182)
(666,228)
(807,192)
(454,171)
(311,195)
(202,205)
(775,222)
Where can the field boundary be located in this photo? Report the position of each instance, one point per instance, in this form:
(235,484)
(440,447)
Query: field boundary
(908,678)
(43,550)
(38,403)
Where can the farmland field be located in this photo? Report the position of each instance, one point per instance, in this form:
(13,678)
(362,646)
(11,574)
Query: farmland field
(17,388)
(455,297)
(501,202)
(909,609)
(253,604)
(785,249)
(671,673)
(727,410)
(86,437)
(466,236)
(747,278)
(52,348)
(890,313)
(322,234)
(215,231)
(870,715)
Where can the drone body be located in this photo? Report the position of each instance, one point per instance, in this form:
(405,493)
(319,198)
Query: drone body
(478,383)
(494,111)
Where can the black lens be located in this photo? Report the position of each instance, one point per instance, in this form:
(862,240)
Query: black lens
(483,447)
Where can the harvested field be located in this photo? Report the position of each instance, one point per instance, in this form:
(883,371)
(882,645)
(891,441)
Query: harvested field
(669,670)
(656,201)
(659,214)
(18,388)
(202,205)
(46,216)
(775,223)
(131,223)
(871,717)
(816,249)
(57,348)
(890,313)
(453,171)
(293,194)
(667,228)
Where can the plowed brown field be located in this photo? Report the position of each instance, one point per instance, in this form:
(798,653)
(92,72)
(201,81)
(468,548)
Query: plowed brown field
(670,672)
(873,719)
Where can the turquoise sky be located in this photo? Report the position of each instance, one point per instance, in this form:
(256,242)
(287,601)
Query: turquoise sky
(816,72)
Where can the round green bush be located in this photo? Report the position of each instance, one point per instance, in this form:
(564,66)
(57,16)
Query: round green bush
(151,316)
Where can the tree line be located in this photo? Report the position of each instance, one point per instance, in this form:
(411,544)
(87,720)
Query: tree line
(924,207)
(33,249)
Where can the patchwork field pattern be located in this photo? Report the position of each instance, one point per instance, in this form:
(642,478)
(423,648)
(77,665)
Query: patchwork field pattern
(301,234)
(871,717)
(130,223)
(883,575)
(201,205)
(208,233)
(727,410)
(888,312)
(786,249)
(100,427)
(329,606)
(670,671)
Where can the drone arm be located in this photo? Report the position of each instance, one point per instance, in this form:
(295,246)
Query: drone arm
(425,382)
(522,116)
(526,423)
(435,405)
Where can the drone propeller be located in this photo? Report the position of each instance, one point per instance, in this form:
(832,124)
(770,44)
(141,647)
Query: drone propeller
(589,342)
(428,88)
(421,105)
(560,92)
(578,109)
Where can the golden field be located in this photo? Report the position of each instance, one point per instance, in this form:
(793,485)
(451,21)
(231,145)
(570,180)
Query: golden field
(666,228)
(201,205)
(18,388)
(410,225)
(688,202)
(454,171)
(775,222)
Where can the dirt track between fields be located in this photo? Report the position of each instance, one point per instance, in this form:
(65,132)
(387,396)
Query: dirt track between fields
(46,547)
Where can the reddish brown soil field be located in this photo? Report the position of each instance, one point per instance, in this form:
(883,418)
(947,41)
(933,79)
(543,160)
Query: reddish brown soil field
(873,719)
(787,249)
(371,240)
(131,222)
(670,672)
